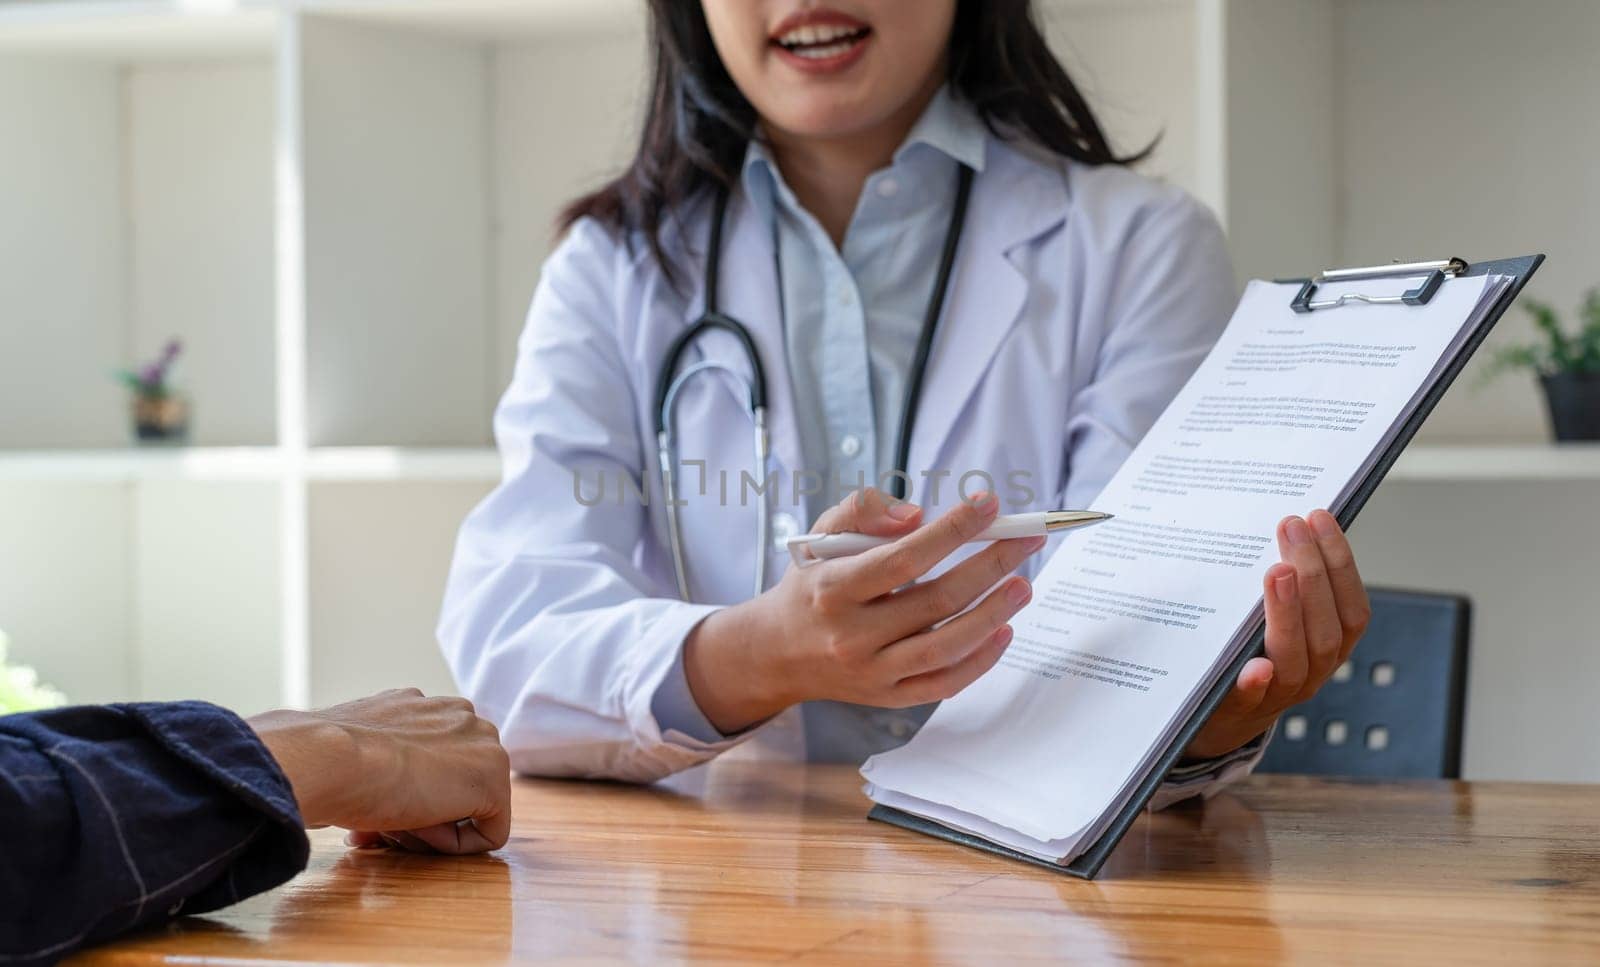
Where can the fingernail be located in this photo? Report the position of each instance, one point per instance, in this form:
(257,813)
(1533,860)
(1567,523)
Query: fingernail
(1284,588)
(1323,523)
(1003,636)
(903,511)
(1297,531)
(1019,592)
(985,503)
(1035,544)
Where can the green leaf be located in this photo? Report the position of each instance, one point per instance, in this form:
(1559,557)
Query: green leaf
(1591,311)
(1562,354)
(1589,335)
(1510,358)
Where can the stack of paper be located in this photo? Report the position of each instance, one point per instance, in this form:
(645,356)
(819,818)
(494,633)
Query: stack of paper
(1133,622)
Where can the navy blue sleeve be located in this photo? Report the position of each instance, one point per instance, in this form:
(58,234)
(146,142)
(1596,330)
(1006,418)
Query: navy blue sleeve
(113,817)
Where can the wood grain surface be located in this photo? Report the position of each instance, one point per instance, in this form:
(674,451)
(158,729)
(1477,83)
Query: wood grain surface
(752,863)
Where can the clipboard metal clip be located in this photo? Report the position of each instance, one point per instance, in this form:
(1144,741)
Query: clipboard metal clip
(1435,273)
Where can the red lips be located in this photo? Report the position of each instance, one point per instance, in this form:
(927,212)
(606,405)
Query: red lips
(820,41)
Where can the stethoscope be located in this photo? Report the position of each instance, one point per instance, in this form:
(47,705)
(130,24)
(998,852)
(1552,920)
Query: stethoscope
(670,382)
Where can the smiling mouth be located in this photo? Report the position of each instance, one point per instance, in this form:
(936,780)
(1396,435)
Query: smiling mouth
(821,41)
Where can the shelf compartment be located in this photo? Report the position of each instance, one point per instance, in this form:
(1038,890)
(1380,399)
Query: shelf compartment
(379,556)
(156,590)
(139,203)
(436,160)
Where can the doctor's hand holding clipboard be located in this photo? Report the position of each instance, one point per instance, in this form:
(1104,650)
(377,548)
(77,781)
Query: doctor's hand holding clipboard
(880,244)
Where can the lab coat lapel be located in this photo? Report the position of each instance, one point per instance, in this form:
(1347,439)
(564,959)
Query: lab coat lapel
(1014,201)
(750,296)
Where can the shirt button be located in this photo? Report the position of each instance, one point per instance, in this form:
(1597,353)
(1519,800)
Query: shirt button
(899,728)
(847,297)
(850,445)
(784,526)
(888,188)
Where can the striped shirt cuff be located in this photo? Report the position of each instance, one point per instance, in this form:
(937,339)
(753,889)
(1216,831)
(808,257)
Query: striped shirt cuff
(1206,777)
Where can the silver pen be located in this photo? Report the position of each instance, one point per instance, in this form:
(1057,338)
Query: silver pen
(805,548)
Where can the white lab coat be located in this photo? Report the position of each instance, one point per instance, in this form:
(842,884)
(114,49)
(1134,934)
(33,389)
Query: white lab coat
(1081,300)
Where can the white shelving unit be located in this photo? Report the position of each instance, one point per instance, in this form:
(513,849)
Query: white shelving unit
(137,180)
(299,191)
(341,206)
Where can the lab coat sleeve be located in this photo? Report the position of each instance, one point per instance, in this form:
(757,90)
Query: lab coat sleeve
(1166,304)
(550,625)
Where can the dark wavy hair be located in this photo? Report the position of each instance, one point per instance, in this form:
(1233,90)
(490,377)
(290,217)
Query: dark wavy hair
(698,125)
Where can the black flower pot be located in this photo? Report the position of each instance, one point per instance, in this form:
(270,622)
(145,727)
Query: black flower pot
(1574,400)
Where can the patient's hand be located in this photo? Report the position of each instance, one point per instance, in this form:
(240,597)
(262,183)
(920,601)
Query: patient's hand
(426,774)
(1316,611)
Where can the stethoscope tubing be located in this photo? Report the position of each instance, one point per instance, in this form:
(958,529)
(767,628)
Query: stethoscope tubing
(670,382)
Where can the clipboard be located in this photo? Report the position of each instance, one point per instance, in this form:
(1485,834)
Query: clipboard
(1436,274)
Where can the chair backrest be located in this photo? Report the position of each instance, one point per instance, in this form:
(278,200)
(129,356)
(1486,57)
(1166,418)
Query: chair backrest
(1395,709)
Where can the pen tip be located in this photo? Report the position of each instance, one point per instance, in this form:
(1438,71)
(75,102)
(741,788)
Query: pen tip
(1068,519)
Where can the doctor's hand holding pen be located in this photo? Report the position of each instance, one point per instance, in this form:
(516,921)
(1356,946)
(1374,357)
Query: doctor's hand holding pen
(857,630)
(851,630)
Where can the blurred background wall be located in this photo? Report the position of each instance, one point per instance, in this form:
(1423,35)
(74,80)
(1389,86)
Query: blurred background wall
(340,206)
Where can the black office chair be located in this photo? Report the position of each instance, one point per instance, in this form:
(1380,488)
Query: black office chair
(1395,709)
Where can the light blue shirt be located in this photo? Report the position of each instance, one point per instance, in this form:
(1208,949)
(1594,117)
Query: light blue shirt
(852,316)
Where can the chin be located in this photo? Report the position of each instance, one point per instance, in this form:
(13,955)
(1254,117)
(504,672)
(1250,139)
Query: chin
(828,116)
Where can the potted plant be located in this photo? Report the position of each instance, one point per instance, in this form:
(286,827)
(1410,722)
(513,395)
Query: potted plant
(159,414)
(1568,367)
(20,690)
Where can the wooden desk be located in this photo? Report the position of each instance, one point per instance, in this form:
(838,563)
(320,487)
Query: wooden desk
(778,863)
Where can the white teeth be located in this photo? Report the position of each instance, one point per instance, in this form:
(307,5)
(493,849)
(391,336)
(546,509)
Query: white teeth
(816,34)
(822,53)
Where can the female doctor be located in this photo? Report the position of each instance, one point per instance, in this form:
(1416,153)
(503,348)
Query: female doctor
(893,199)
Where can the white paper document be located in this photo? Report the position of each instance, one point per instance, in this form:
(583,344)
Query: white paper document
(1132,621)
